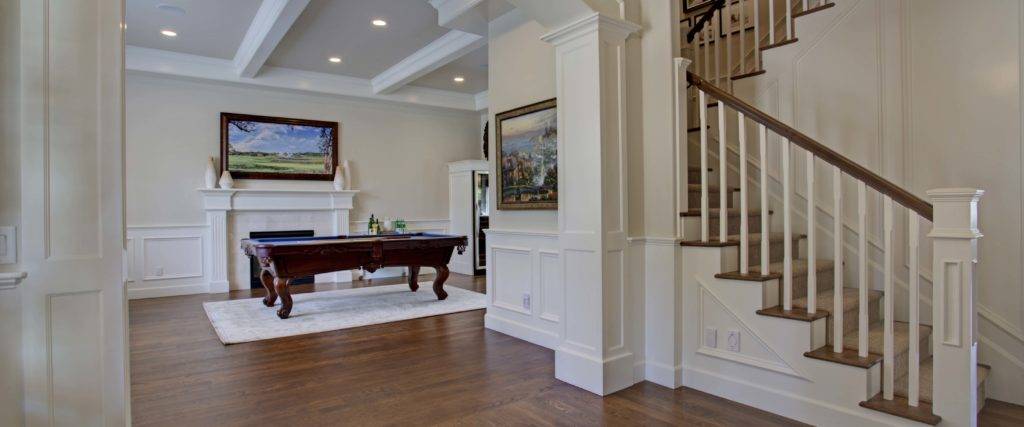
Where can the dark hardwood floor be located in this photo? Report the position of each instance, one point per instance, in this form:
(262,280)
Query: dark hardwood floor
(445,370)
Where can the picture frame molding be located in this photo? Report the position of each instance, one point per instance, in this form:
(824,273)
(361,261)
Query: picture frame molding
(498,180)
(226,118)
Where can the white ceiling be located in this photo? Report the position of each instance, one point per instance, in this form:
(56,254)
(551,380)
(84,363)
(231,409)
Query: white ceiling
(208,28)
(324,29)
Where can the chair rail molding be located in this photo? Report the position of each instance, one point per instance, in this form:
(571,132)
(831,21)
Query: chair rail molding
(11,280)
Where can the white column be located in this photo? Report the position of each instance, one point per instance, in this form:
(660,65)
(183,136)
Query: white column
(342,204)
(955,252)
(217,220)
(594,351)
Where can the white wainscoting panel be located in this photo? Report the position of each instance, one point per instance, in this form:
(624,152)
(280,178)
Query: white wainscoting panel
(524,265)
(166,260)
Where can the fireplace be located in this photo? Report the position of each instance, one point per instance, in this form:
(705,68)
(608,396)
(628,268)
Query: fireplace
(254,265)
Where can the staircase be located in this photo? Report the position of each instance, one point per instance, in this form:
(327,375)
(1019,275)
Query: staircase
(846,310)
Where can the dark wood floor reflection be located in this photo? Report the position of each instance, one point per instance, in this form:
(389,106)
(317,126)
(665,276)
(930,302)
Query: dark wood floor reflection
(436,370)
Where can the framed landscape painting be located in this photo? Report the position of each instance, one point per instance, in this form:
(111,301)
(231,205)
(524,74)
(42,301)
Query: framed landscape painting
(261,147)
(527,163)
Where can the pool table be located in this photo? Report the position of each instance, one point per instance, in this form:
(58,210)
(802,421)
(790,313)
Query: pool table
(286,258)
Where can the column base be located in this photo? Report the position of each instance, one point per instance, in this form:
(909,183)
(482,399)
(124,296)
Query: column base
(596,376)
(663,375)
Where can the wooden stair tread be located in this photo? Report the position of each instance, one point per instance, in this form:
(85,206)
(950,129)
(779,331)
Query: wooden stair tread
(899,407)
(876,332)
(809,11)
(753,239)
(749,74)
(825,299)
(779,44)
(794,314)
(847,357)
(711,188)
(775,268)
(713,212)
(901,385)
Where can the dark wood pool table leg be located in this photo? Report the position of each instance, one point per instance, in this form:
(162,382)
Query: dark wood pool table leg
(268,283)
(281,284)
(442,275)
(414,273)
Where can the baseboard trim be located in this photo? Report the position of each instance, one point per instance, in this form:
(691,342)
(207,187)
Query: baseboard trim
(519,330)
(663,375)
(790,405)
(167,291)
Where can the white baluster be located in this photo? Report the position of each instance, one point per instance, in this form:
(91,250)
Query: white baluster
(862,270)
(804,4)
(771,21)
(888,362)
(727,42)
(743,39)
(723,213)
(765,243)
(707,49)
(757,35)
(789,19)
(744,238)
(914,358)
(703,167)
(812,257)
(718,48)
(837,251)
(787,232)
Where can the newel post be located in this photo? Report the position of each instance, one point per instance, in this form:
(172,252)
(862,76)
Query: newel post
(955,237)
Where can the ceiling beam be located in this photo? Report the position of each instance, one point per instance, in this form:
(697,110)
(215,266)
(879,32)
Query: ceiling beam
(445,49)
(272,21)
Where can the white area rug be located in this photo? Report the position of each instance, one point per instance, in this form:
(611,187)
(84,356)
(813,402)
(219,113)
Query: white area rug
(246,320)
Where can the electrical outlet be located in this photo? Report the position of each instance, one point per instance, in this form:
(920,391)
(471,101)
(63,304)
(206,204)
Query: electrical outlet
(159,271)
(733,341)
(526,301)
(711,337)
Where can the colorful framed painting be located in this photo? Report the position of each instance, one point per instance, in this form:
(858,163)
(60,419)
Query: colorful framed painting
(527,151)
(261,147)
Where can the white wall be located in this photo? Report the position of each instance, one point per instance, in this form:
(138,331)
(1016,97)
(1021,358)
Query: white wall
(522,248)
(399,157)
(10,211)
(904,89)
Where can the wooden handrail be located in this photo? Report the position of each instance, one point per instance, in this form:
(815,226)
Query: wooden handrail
(704,18)
(849,167)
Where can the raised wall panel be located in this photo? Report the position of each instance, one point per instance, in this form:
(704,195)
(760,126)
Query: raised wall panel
(550,290)
(178,257)
(71,146)
(513,275)
(76,365)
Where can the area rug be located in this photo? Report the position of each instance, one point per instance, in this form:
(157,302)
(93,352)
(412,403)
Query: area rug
(246,320)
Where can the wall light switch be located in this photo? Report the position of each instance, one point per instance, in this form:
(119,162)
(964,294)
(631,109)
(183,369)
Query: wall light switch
(526,301)
(733,343)
(8,245)
(711,337)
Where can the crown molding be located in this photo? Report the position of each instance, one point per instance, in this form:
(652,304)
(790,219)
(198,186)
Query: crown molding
(162,62)
(481,100)
(595,22)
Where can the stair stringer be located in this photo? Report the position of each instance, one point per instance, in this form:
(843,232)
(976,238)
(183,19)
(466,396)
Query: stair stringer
(786,383)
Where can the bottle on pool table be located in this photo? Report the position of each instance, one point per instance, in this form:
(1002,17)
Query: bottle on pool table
(370,226)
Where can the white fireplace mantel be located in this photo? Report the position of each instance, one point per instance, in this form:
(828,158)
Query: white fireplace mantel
(220,203)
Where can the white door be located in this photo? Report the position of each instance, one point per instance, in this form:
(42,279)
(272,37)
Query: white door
(72,162)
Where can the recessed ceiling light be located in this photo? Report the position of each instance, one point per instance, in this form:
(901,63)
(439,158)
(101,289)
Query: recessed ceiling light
(459,79)
(169,33)
(379,22)
(334,59)
(170,8)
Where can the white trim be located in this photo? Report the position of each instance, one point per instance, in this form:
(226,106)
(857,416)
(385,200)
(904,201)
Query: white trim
(272,21)
(520,330)
(468,166)
(530,233)
(447,48)
(168,291)
(482,101)
(166,63)
(11,280)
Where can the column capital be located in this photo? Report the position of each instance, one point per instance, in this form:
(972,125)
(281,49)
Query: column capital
(955,213)
(614,28)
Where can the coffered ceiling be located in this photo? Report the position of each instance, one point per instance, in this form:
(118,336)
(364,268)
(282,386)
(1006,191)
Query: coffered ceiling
(291,43)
